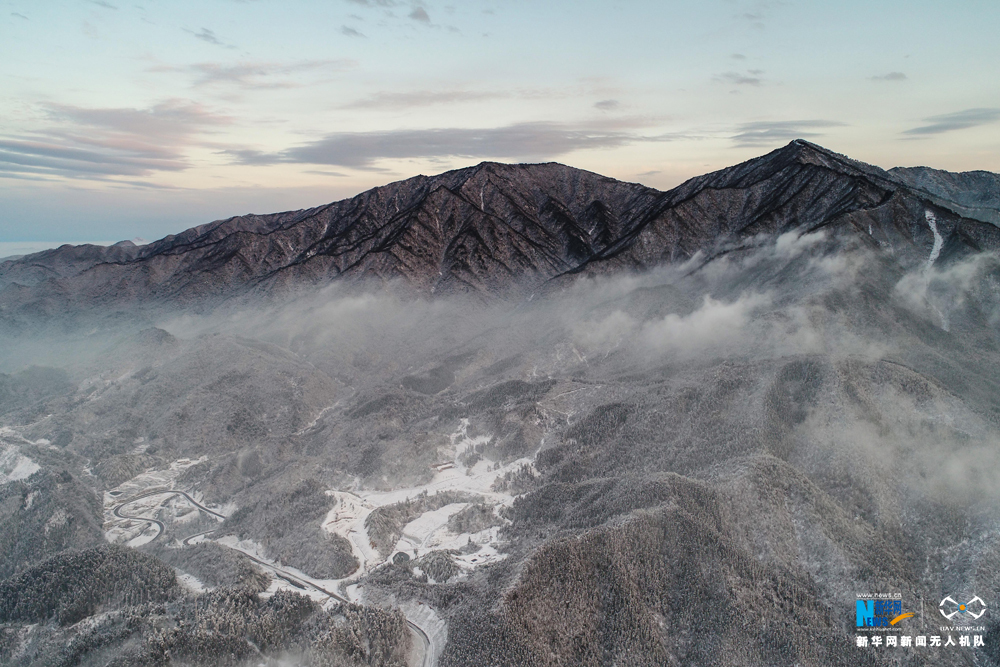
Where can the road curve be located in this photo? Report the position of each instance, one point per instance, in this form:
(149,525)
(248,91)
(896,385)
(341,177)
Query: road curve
(117,511)
(302,583)
(187,540)
(156,522)
(174,492)
(287,576)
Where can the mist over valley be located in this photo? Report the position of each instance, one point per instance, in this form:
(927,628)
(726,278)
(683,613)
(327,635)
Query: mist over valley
(512,415)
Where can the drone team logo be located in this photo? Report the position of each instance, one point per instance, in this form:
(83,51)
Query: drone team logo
(974,609)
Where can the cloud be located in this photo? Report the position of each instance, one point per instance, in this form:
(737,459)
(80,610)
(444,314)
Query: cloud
(738,56)
(101,3)
(792,244)
(714,324)
(374,3)
(721,307)
(607,105)
(257,75)
(735,78)
(20,16)
(756,19)
(325,172)
(520,141)
(396,100)
(421,98)
(766,133)
(610,331)
(350,32)
(891,76)
(419,14)
(960,120)
(105,142)
(940,293)
(250,156)
(209,37)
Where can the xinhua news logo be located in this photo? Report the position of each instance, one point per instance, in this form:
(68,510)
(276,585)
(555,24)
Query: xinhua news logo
(875,613)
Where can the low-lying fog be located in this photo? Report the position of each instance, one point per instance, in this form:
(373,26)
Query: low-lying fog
(831,403)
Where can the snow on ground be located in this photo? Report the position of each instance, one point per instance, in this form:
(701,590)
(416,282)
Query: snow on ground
(180,511)
(347,519)
(430,530)
(475,480)
(319,416)
(938,240)
(147,533)
(435,627)
(315,421)
(90,622)
(427,531)
(190,582)
(20,645)
(14,465)
(196,539)
(174,508)
(284,577)
(154,479)
(354,593)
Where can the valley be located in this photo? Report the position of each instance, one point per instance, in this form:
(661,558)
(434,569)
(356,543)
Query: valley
(510,415)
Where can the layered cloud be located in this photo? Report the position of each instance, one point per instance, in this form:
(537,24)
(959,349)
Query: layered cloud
(209,37)
(891,76)
(110,141)
(518,141)
(767,133)
(751,78)
(256,75)
(959,120)
(391,100)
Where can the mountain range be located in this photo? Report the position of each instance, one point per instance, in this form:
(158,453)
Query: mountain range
(496,228)
(515,415)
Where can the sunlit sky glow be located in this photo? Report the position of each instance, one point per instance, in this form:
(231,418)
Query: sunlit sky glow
(120,120)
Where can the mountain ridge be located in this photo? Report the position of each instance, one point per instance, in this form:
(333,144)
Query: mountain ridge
(696,465)
(494,227)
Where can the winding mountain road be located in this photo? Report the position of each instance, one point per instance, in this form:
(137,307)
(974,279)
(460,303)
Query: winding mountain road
(300,582)
(117,510)
(294,580)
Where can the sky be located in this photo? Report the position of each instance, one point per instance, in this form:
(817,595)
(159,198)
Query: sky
(121,120)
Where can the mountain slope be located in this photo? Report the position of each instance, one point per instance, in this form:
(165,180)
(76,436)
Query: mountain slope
(674,466)
(495,228)
(976,192)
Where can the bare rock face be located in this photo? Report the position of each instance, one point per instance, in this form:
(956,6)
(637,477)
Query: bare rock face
(494,228)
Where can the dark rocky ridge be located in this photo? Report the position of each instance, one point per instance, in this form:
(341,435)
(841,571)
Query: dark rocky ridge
(494,227)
